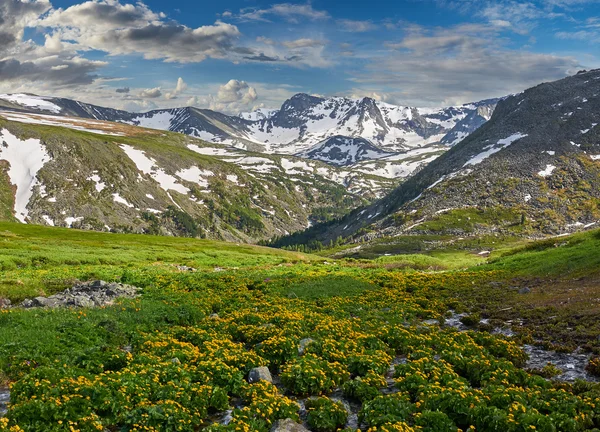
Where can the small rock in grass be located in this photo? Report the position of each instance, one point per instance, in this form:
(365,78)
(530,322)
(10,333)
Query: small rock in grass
(175,360)
(4,303)
(524,290)
(288,425)
(260,373)
(304,343)
(214,316)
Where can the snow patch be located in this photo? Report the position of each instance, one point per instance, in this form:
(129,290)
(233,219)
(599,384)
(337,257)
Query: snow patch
(48,220)
(31,101)
(26,159)
(494,148)
(148,166)
(195,175)
(98,183)
(547,171)
(119,199)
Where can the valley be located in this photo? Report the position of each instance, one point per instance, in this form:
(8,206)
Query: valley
(412,342)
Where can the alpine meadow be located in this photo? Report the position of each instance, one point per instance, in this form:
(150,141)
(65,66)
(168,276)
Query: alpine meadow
(304,216)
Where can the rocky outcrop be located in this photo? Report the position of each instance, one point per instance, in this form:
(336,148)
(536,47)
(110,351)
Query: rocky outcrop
(86,294)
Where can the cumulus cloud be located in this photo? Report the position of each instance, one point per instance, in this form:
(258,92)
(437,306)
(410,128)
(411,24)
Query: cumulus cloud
(118,29)
(234,96)
(180,87)
(24,61)
(150,93)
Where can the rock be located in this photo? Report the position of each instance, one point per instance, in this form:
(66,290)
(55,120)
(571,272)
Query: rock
(214,316)
(4,303)
(81,301)
(260,373)
(27,303)
(86,294)
(45,302)
(175,360)
(524,290)
(4,401)
(186,268)
(288,425)
(304,343)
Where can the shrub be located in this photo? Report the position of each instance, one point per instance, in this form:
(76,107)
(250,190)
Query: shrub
(325,415)
(310,375)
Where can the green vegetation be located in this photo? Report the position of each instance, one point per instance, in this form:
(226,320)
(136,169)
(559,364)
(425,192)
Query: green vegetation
(179,355)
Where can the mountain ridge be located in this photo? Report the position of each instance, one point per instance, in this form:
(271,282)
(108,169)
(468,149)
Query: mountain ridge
(537,155)
(302,122)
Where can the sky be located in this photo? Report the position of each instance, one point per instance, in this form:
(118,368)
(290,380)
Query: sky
(239,55)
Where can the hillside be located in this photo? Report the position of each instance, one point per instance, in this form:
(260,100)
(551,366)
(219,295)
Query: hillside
(113,177)
(533,169)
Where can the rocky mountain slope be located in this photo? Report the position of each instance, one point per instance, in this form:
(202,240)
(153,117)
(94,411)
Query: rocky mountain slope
(341,150)
(533,169)
(91,174)
(302,124)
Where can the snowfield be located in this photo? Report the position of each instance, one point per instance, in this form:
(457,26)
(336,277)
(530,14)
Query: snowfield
(68,122)
(148,166)
(31,101)
(494,148)
(26,159)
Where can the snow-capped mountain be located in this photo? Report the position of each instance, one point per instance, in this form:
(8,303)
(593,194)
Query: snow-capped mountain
(532,169)
(304,121)
(342,151)
(301,123)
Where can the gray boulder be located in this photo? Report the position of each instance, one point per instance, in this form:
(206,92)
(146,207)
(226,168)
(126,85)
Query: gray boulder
(304,343)
(260,373)
(524,290)
(288,425)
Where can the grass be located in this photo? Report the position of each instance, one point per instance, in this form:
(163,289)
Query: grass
(576,255)
(39,260)
(139,360)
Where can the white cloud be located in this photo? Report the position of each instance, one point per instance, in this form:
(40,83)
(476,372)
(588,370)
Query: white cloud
(151,93)
(180,87)
(303,43)
(356,26)
(288,11)
(457,65)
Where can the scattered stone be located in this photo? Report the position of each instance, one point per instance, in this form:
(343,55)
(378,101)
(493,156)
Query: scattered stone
(4,303)
(431,321)
(288,425)
(85,294)
(524,290)
(260,373)
(175,360)
(4,400)
(186,268)
(214,316)
(304,343)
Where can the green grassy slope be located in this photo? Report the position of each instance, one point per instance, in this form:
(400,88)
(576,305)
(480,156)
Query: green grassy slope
(37,260)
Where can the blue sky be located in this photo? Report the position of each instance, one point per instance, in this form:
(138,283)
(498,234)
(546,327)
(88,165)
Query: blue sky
(237,55)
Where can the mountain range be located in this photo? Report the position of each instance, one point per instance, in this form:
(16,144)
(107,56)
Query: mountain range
(533,169)
(302,124)
(356,169)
